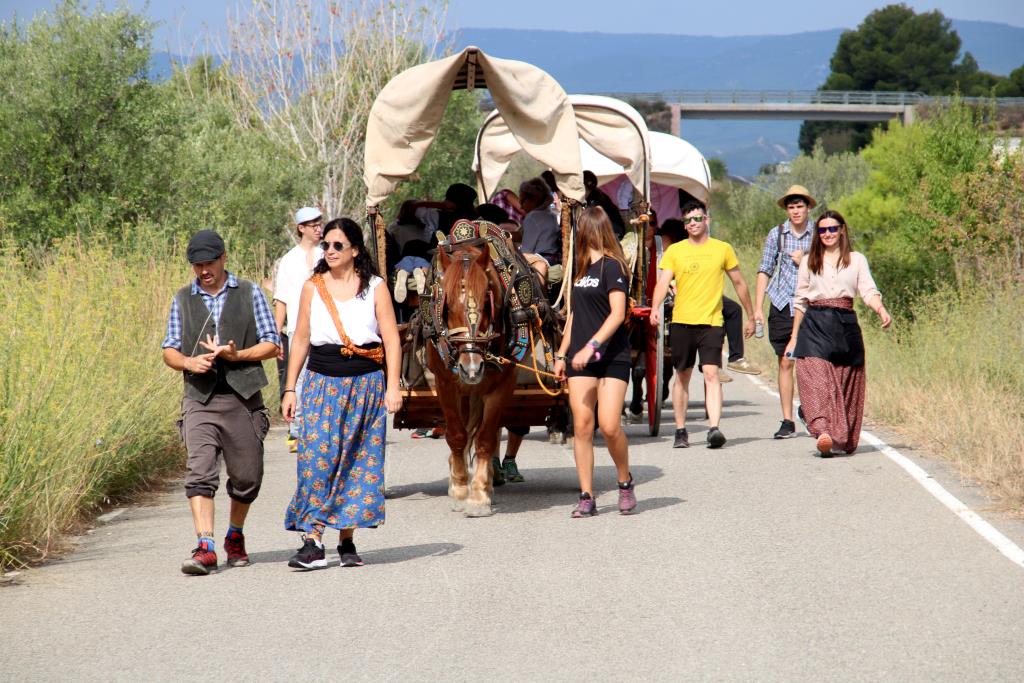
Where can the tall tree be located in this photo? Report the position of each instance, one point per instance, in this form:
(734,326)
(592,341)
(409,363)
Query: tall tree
(893,49)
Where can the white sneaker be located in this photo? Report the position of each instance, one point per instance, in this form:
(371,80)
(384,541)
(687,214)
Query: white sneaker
(401,282)
(420,277)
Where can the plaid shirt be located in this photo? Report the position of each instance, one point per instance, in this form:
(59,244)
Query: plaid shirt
(782,287)
(266,328)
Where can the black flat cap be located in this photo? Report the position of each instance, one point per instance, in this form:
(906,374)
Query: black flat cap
(205,245)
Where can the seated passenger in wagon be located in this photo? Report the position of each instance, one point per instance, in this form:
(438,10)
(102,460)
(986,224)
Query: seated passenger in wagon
(542,235)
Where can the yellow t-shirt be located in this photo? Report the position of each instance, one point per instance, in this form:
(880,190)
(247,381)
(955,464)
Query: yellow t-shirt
(699,274)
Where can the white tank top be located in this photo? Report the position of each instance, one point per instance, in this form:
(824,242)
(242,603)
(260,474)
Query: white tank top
(358,317)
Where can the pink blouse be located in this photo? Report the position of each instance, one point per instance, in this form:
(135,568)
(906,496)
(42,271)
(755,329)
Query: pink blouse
(834,283)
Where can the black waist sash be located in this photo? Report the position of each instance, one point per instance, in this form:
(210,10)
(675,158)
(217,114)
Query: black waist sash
(326,359)
(832,334)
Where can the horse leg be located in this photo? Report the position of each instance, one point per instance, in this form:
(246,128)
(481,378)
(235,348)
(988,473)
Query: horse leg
(486,444)
(458,474)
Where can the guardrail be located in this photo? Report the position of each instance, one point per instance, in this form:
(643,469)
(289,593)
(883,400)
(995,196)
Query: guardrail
(812,97)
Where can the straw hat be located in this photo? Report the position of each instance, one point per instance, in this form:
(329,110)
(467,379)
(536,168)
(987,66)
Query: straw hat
(801,191)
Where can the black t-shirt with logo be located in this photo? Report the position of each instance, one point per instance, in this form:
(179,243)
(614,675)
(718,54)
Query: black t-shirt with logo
(591,307)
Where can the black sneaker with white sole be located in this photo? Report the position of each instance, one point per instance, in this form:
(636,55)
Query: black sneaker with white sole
(348,554)
(682,439)
(786,430)
(716,439)
(309,556)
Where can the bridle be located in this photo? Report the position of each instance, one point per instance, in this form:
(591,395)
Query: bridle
(468,339)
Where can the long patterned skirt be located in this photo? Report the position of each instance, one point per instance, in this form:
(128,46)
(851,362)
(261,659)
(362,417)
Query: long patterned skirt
(340,463)
(832,398)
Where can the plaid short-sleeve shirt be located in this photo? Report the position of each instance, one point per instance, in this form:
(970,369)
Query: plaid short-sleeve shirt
(782,285)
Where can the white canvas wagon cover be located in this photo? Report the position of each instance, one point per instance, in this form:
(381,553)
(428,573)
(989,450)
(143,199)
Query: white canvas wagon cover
(407,113)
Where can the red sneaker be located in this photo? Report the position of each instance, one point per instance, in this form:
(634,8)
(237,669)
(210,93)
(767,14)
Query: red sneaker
(234,546)
(201,563)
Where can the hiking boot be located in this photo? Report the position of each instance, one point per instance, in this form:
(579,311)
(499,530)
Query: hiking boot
(586,506)
(724,377)
(786,430)
(511,470)
(716,439)
(348,554)
(682,439)
(202,562)
(744,366)
(234,546)
(309,556)
(627,497)
(825,445)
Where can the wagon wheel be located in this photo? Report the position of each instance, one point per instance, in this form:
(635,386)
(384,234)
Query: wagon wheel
(655,357)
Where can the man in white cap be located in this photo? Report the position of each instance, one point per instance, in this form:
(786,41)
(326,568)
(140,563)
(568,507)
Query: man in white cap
(294,268)
(784,247)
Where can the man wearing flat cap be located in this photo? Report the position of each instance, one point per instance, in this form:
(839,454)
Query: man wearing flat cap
(219,331)
(785,245)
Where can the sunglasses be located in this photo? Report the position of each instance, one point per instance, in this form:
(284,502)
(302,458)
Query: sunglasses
(338,246)
(693,219)
(829,228)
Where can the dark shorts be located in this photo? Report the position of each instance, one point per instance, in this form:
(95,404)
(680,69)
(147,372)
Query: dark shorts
(687,340)
(601,369)
(780,328)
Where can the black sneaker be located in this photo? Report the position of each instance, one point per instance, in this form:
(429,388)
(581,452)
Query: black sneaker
(309,556)
(349,556)
(786,430)
(716,439)
(682,439)
(800,416)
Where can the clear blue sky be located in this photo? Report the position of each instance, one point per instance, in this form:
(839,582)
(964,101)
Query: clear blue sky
(183,22)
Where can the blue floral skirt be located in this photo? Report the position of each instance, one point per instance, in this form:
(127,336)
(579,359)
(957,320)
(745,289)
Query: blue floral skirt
(340,463)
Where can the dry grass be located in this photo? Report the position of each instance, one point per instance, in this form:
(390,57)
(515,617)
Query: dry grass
(950,376)
(87,407)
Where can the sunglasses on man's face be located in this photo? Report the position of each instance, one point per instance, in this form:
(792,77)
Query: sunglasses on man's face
(337,246)
(693,219)
(828,228)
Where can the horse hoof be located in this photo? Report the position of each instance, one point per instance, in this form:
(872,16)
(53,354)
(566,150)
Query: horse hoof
(478,510)
(458,505)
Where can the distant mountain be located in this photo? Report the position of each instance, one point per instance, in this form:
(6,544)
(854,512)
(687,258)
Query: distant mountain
(624,63)
(632,62)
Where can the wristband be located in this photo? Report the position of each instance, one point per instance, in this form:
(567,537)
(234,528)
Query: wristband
(287,390)
(594,344)
(559,356)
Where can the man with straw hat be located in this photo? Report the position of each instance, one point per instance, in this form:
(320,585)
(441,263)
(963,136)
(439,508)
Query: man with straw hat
(785,245)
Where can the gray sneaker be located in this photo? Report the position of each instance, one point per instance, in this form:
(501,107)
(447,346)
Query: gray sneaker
(682,439)
(745,366)
(627,497)
(585,507)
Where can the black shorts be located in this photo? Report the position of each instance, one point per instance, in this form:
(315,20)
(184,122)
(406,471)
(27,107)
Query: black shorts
(780,328)
(616,369)
(687,340)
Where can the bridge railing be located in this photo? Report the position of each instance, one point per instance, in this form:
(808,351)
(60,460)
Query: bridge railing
(811,97)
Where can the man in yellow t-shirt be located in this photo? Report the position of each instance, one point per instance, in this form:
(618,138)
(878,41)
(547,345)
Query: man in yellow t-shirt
(698,266)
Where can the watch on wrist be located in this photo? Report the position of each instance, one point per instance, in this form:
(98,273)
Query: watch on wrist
(560,356)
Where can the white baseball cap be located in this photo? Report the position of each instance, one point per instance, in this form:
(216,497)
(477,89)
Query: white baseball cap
(307,214)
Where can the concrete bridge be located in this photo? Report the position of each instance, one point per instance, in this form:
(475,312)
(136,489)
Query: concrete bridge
(806,105)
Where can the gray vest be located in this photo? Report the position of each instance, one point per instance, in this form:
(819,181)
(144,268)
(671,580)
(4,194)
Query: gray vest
(237,322)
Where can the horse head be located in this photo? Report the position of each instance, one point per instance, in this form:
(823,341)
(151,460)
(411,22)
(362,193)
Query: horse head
(472,310)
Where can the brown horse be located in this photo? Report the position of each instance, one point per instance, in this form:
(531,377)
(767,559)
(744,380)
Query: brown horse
(472,384)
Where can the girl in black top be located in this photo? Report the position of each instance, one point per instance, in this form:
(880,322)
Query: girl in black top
(595,340)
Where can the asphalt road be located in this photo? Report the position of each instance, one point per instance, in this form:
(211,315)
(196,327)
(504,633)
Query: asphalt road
(754,562)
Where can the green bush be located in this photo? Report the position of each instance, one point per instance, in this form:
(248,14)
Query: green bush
(746,213)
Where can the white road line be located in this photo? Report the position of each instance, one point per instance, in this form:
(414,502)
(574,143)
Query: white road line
(1004,545)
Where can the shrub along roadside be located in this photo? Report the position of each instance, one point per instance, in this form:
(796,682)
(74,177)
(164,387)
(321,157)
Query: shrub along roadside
(87,407)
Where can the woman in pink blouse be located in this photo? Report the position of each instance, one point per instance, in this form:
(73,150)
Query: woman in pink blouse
(827,340)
